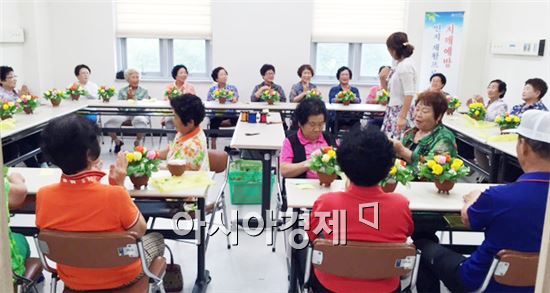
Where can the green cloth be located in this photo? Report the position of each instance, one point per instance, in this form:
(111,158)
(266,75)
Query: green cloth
(19,247)
(440,141)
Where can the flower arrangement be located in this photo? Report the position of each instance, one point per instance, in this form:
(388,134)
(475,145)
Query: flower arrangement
(270,96)
(75,91)
(323,161)
(313,94)
(141,165)
(477,111)
(399,173)
(382,97)
(172,92)
(55,96)
(507,121)
(106,93)
(454,103)
(345,97)
(222,95)
(443,170)
(9,108)
(29,103)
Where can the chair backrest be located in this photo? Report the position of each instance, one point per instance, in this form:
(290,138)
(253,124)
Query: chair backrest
(218,160)
(363,260)
(516,268)
(89,249)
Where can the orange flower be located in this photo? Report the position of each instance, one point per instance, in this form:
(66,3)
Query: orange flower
(448,158)
(140,149)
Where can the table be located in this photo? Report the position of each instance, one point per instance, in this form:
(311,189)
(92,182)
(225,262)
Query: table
(38,177)
(265,138)
(423,197)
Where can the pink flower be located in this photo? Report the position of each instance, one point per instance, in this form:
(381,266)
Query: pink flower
(316,153)
(440,159)
(151,155)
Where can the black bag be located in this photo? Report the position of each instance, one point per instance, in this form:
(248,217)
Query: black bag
(173,279)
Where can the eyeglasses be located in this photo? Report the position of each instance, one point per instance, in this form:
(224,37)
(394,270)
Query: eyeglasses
(11,77)
(319,125)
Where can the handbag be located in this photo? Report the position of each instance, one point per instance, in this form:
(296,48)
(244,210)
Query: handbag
(173,279)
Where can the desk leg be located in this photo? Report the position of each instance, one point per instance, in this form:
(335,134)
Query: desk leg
(293,277)
(266,185)
(203,276)
(495,162)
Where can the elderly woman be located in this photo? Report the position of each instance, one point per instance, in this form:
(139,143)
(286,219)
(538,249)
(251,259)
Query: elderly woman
(297,148)
(268,75)
(344,75)
(429,136)
(383,74)
(299,90)
(438,82)
(179,74)
(82,73)
(131,92)
(226,118)
(8,85)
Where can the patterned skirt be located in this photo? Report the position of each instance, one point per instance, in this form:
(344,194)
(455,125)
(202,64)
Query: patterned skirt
(389,126)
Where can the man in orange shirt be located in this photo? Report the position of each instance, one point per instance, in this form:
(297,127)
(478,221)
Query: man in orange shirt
(80,203)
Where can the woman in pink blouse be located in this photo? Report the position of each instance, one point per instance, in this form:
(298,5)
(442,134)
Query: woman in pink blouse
(180,74)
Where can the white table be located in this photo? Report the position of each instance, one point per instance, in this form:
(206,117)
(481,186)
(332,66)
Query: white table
(370,108)
(114,103)
(507,147)
(460,123)
(215,105)
(422,196)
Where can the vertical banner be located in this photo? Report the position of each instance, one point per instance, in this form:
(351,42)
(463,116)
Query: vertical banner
(441,48)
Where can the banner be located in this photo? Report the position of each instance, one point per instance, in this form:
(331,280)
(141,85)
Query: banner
(441,48)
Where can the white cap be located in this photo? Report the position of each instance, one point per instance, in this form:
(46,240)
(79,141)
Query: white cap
(535,125)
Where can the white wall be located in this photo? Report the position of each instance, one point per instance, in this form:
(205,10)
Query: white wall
(517,21)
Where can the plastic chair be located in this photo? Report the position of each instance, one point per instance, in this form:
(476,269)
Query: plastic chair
(99,250)
(512,268)
(363,260)
(219,162)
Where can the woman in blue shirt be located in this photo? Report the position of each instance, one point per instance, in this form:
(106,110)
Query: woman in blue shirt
(344,76)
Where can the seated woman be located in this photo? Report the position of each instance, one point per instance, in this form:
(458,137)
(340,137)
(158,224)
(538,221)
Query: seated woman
(82,73)
(79,202)
(344,76)
(299,90)
(365,156)
(225,118)
(429,136)
(16,192)
(179,74)
(437,83)
(131,92)
(533,92)
(383,74)
(297,148)
(268,75)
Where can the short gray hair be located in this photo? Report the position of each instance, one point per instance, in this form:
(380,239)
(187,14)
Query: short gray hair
(129,72)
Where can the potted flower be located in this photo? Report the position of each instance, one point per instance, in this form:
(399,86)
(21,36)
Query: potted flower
(29,103)
(443,170)
(454,103)
(172,92)
(75,91)
(222,95)
(8,109)
(345,97)
(477,111)
(323,161)
(313,94)
(141,165)
(55,96)
(399,173)
(270,96)
(382,97)
(106,93)
(507,121)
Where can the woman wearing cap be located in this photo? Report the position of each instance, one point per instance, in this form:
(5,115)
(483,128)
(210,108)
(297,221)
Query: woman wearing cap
(402,86)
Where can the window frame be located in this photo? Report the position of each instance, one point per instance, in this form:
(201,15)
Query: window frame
(166,55)
(354,63)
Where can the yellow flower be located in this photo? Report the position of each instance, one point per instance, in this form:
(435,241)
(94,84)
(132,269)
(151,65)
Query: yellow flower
(216,93)
(130,157)
(393,171)
(458,104)
(113,88)
(498,119)
(431,163)
(102,91)
(516,119)
(437,169)
(325,158)
(331,153)
(458,162)
(266,92)
(508,119)
(5,107)
(137,156)
(477,113)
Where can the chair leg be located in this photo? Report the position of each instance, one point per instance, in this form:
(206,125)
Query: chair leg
(53,285)
(226,220)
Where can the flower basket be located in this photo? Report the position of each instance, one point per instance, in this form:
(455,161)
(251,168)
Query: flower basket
(222,95)
(55,96)
(399,173)
(313,94)
(443,170)
(390,186)
(172,92)
(507,121)
(323,161)
(75,91)
(454,103)
(139,181)
(345,97)
(141,165)
(477,111)
(176,167)
(29,103)
(106,93)
(444,187)
(325,179)
(382,97)
(270,96)
(9,108)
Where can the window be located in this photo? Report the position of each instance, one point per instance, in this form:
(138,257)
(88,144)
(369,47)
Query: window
(192,53)
(330,57)
(373,56)
(143,54)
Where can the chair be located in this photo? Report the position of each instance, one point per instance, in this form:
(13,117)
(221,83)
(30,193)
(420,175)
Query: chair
(363,260)
(512,268)
(219,161)
(33,272)
(99,250)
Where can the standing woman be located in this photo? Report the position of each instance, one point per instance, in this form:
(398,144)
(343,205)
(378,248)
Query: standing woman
(402,86)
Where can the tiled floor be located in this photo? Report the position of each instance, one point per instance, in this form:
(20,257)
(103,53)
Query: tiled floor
(250,266)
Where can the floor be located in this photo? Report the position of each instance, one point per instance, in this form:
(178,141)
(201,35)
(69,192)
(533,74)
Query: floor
(250,266)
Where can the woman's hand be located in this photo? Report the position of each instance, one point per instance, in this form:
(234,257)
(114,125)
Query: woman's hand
(234,100)
(117,172)
(398,147)
(401,124)
(16,178)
